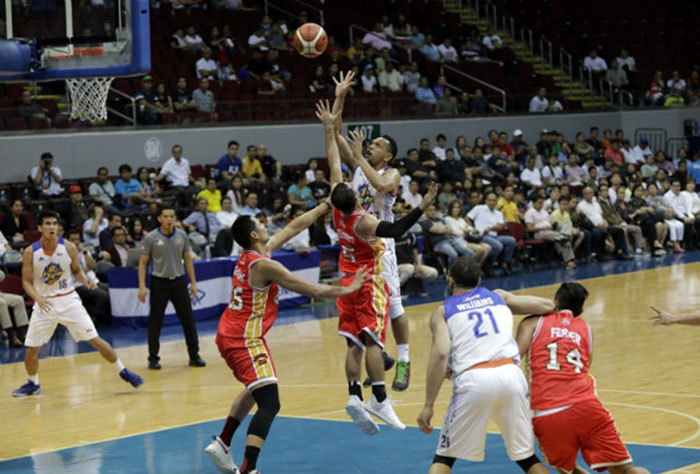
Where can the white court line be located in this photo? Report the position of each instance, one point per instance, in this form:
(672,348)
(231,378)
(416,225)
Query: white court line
(641,392)
(673,412)
(682,470)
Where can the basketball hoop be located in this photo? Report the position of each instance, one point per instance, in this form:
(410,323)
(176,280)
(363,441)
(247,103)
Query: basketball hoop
(88,97)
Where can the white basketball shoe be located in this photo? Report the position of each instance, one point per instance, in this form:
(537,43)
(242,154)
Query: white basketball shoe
(385,412)
(220,455)
(356,409)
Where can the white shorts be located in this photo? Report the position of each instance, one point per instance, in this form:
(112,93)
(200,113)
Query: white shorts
(67,310)
(391,275)
(499,393)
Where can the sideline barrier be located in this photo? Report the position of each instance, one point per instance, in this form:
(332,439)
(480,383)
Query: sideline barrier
(214,279)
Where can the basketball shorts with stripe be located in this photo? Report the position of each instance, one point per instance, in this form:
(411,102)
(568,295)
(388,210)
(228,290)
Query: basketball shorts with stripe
(249,359)
(498,393)
(67,310)
(586,426)
(364,312)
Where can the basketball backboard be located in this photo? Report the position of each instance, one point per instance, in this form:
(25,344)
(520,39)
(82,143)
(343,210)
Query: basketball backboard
(43,40)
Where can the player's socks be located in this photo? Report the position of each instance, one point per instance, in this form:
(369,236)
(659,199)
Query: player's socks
(379,391)
(229,428)
(403,352)
(34,378)
(354,388)
(250,459)
(118,364)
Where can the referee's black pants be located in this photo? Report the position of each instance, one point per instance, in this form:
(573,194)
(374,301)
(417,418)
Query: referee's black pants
(162,291)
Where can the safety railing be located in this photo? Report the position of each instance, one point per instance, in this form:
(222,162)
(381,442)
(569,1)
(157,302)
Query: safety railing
(538,46)
(317,11)
(616,95)
(675,144)
(655,136)
(502,108)
(130,119)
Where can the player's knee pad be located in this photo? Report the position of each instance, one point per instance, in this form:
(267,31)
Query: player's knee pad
(449,462)
(526,464)
(268,401)
(268,398)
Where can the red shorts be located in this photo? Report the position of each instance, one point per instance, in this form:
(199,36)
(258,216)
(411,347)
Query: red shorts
(249,359)
(585,426)
(365,311)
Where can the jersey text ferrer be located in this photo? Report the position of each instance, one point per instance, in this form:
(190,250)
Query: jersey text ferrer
(560,354)
(568,416)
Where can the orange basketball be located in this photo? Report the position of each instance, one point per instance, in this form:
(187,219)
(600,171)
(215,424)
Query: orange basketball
(310,40)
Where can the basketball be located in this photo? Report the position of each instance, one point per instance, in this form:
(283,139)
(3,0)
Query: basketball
(310,40)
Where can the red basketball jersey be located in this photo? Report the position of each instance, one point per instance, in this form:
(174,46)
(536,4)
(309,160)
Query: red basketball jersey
(252,310)
(354,250)
(560,355)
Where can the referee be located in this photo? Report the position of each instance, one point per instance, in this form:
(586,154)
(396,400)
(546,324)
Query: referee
(168,247)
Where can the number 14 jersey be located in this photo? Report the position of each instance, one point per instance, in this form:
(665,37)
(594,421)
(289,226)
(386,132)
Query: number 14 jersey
(560,354)
(252,310)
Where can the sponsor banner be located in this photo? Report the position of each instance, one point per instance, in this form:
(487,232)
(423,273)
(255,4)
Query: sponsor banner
(214,279)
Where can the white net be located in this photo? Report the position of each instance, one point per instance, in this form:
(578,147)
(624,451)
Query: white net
(88,97)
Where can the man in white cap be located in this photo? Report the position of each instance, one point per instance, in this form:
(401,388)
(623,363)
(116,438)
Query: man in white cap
(520,146)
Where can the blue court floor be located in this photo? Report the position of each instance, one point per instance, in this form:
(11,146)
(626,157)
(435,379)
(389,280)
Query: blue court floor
(296,446)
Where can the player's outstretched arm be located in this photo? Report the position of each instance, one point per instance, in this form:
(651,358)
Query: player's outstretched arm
(388,181)
(437,366)
(327,118)
(523,336)
(342,87)
(369,227)
(525,304)
(664,318)
(345,151)
(297,225)
(270,270)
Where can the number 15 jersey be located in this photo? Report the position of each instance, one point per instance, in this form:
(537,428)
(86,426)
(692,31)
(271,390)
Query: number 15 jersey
(560,354)
(481,329)
(252,310)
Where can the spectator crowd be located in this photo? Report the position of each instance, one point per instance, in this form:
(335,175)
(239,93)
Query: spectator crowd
(503,199)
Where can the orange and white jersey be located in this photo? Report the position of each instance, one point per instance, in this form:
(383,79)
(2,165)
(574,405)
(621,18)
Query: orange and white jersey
(355,251)
(252,310)
(52,273)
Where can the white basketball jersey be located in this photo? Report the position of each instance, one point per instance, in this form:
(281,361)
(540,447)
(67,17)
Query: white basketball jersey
(52,273)
(481,329)
(379,204)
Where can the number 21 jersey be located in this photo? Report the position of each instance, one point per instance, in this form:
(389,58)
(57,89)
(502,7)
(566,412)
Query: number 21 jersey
(252,310)
(560,354)
(481,329)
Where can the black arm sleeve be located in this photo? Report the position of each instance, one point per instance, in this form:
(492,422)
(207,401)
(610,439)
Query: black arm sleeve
(394,230)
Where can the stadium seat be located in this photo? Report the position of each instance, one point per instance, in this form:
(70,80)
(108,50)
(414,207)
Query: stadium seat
(32,236)
(12,284)
(16,123)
